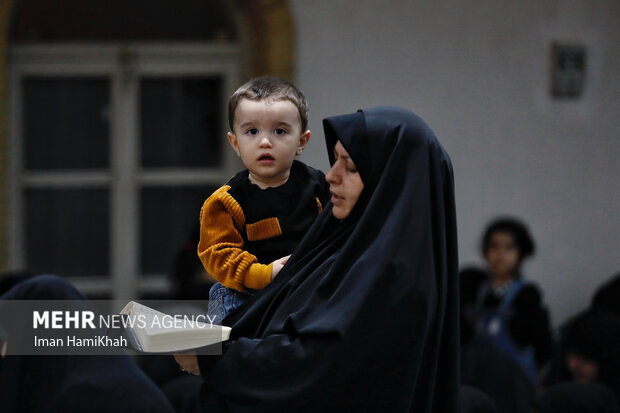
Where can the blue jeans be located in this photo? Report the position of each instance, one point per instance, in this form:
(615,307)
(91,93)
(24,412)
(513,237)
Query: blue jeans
(223,300)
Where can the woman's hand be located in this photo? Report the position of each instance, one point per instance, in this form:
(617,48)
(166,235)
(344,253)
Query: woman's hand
(277,266)
(188,363)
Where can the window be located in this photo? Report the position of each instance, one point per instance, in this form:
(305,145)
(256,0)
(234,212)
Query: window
(113,151)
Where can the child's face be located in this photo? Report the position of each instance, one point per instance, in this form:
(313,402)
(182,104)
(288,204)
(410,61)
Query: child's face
(502,254)
(581,368)
(267,135)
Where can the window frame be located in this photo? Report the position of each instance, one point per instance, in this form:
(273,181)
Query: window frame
(124,65)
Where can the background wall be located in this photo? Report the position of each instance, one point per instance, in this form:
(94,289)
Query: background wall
(478,73)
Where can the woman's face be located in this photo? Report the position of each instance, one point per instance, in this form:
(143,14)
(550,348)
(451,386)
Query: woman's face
(345,183)
(502,255)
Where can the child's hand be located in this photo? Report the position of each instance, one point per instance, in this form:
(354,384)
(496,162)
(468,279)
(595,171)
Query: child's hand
(277,266)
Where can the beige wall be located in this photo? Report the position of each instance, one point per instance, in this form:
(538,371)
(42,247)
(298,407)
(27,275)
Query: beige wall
(478,73)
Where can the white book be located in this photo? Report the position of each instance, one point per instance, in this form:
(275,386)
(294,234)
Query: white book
(152,331)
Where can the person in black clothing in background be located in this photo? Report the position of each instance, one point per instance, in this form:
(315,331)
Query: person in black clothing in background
(585,370)
(588,344)
(65,383)
(507,308)
(590,350)
(607,297)
(576,397)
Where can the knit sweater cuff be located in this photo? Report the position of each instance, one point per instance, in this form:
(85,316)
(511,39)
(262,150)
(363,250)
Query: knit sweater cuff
(258,276)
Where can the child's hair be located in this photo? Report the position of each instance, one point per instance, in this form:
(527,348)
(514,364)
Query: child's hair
(514,227)
(272,88)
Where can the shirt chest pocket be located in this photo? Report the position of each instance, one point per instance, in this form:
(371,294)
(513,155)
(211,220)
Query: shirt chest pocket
(263,229)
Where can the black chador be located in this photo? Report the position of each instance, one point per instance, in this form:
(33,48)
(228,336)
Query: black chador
(364,315)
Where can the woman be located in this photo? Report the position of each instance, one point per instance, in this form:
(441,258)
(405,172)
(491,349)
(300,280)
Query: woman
(364,315)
